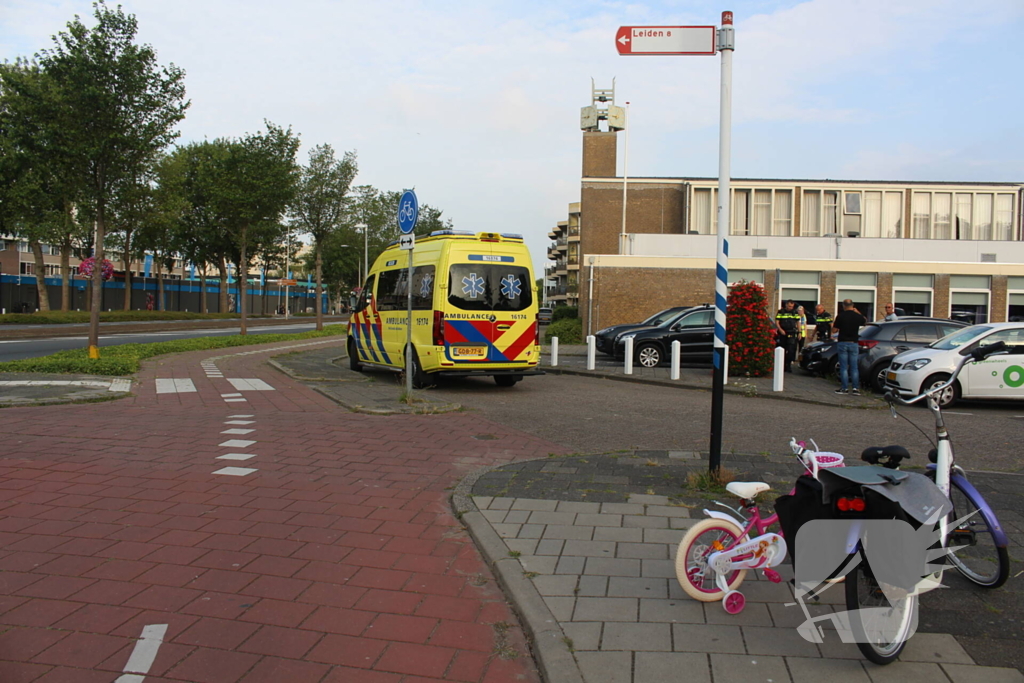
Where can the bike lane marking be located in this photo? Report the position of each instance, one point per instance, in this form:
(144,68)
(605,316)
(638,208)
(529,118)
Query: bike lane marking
(144,654)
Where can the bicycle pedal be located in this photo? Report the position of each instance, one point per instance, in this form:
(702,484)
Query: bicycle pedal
(773,576)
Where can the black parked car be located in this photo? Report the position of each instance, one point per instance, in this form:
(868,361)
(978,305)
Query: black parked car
(604,339)
(879,342)
(694,329)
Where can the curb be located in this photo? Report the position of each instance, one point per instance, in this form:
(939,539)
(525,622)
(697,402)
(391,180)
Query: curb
(695,387)
(293,375)
(140,327)
(554,660)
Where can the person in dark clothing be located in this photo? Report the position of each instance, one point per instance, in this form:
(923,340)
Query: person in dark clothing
(848,324)
(787,322)
(822,323)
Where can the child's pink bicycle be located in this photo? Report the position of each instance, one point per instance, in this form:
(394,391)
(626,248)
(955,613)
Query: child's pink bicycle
(715,554)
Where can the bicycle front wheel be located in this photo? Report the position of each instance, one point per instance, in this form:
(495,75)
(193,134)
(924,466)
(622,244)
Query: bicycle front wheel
(881,626)
(695,576)
(977,556)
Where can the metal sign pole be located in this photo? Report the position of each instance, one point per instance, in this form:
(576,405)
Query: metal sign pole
(408,330)
(726,45)
(408,212)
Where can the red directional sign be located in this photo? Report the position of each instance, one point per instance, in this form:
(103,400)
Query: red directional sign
(665,40)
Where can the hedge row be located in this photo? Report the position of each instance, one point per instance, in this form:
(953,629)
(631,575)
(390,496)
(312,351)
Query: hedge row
(69,317)
(125,359)
(568,331)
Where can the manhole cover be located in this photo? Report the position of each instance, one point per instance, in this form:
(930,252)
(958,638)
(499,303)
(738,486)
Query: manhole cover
(484,437)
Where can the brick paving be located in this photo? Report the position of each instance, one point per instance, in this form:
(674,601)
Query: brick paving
(336,559)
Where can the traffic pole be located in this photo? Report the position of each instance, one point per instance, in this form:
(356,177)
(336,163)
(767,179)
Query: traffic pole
(726,45)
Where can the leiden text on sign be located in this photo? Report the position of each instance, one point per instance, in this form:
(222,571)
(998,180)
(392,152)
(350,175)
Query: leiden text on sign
(665,40)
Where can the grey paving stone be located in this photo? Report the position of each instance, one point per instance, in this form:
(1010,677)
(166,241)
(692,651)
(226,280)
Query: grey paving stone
(647,499)
(668,511)
(561,607)
(494,516)
(540,565)
(748,668)
(507,530)
(593,586)
(682,522)
(570,565)
(601,519)
(791,617)
(644,522)
(805,670)
(637,637)
(609,479)
(524,546)
(961,673)
(658,569)
(607,566)
(754,614)
(577,507)
(605,667)
(834,648)
(482,501)
(676,592)
(626,587)
(501,503)
(585,635)
(531,531)
(766,591)
(552,517)
(768,640)
(684,455)
(549,546)
(670,536)
(685,611)
(516,517)
(606,609)
(940,648)
(707,638)
(622,508)
(904,672)
(662,667)
(534,504)
(618,534)
(642,551)
(589,548)
(555,584)
(574,533)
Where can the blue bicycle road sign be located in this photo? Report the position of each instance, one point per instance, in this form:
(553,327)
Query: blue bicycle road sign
(408,212)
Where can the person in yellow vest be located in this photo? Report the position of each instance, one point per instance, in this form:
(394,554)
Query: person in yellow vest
(801,330)
(787,322)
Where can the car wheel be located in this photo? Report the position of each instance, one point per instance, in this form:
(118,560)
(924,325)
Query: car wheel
(648,355)
(506,380)
(950,395)
(353,357)
(420,379)
(877,377)
(832,369)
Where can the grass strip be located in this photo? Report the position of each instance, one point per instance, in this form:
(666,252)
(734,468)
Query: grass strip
(126,358)
(81,317)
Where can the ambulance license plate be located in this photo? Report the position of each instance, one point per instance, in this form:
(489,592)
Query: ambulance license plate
(468,351)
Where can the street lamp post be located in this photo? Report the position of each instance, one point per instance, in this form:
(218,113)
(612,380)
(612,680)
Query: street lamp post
(366,251)
(287,274)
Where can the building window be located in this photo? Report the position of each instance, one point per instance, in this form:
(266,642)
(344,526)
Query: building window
(52,270)
(883,214)
(1015,299)
(820,213)
(912,293)
(783,222)
(704,210)
(860,288)
(963,217)
(1003,218)
(969,298)
(737,276)
(802,287)
(28,268)
(23,247)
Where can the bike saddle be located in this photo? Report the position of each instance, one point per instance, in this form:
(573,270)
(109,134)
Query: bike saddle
(886,456)
(746,489)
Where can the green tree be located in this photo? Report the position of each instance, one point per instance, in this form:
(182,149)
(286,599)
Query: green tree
(320,204)
(255,186)
(115,109)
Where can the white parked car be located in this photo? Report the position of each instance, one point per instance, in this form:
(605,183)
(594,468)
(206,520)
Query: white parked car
(912,372)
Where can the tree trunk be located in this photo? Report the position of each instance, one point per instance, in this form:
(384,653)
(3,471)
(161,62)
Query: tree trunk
(97,281)
(203,308)
(126,259)
(161,305)
(243,280)
(319,289)
(223,298)
(65,276)
(44,296)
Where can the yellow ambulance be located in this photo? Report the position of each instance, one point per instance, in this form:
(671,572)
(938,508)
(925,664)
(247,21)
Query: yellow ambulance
(474,309)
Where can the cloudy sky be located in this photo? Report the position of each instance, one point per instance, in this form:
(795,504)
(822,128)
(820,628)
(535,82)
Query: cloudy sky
(476,104)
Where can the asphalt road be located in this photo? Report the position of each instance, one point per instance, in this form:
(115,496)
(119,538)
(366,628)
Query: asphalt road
(14,349)
(589,415)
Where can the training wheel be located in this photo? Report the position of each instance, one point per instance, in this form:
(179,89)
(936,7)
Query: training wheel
(734,602)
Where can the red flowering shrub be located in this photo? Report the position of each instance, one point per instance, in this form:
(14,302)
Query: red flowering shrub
(749,331)
(85,268)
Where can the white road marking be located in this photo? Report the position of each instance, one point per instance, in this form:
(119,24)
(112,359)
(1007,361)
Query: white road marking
(234,416)
(235,471)
(950,412)
(249,384)
(236,443)
(235,400)
(236,456)
(230,395)
(144,653)
(240,422)
(175,386)
(239,432)
(120,385)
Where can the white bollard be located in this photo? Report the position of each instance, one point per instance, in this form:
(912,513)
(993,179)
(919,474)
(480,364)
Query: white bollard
(628,369)
(780,365)
(676,346)
(554,352)
(591,352)
(725,364)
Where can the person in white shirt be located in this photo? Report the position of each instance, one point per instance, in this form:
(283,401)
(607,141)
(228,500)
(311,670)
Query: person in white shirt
(890,313)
